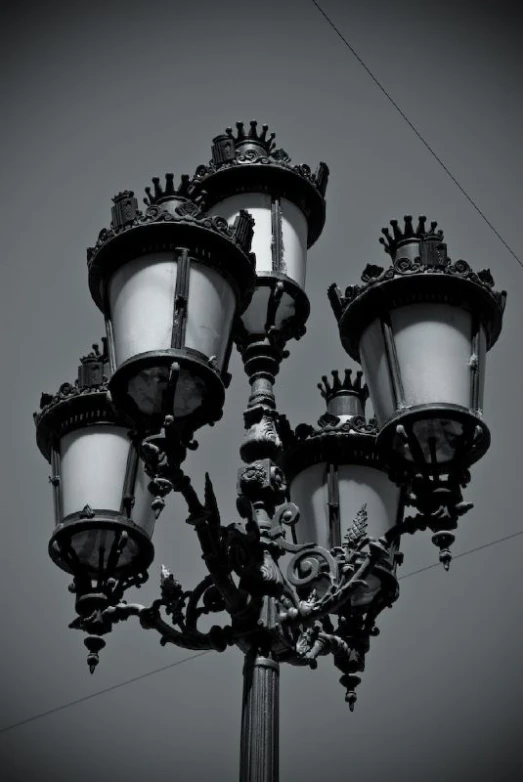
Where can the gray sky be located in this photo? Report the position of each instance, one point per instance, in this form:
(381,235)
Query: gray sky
(99,97)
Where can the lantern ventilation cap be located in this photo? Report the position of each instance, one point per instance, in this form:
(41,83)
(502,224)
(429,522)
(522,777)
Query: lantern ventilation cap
(345,397)
(168,192)
(408,234)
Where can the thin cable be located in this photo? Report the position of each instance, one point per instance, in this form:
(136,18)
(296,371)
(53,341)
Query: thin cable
(463,554)
(199,654)
(416,131)
(100,692)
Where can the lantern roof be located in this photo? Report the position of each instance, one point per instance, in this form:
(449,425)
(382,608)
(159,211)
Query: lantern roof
(246,162)
(76,405)
(347,438)
(423,274)
(174,218)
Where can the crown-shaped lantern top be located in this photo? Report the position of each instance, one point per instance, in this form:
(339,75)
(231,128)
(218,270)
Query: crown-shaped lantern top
(413,243)
(94,368)
(76,404)
(345,398)
(253,146)
(227,146)
(184,192)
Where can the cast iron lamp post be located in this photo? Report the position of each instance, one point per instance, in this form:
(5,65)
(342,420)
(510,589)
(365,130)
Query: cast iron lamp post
(311,562)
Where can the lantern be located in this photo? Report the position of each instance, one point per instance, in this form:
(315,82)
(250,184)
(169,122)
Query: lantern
(104,517)
(170,283)
(288,206)
(421,330)
(339,482)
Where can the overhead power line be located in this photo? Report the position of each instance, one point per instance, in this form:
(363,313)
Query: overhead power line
(416,131)
(101,692)
(463,554)
(200,654)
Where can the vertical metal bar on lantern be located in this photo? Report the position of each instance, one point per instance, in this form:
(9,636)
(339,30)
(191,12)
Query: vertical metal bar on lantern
(333,502)
(181,295)
(392,363)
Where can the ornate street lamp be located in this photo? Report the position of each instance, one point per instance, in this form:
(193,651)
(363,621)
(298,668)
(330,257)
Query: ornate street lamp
(287,202)
(104,514)
(338,479)
(297,583)
(170,283)
(421,330)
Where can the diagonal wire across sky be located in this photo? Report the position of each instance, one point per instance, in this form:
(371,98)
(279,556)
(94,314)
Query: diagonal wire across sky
(56,709)
(425,143)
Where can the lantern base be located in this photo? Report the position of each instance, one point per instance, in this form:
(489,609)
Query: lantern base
(438,438)
(105,545)
(178,382)
(279,308)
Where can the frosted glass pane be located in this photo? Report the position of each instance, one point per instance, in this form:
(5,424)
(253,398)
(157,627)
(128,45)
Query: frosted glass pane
(255,316)
(433,345)
(93,465)
(142,513)
(210,312)
(93,549)
(360,485)
(148,388)
(294,234)
(309,491)
(259,206)
(438,439)
(357,485)
(141,297)
(376,371)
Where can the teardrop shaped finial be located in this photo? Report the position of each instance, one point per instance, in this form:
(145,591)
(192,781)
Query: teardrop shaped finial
(94,645)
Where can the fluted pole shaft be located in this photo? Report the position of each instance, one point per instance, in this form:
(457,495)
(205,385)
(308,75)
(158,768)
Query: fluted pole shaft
(259,760)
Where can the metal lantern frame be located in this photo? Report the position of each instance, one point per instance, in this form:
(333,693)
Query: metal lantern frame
(258,573)
(174,223)
(249,162)
(422,273)
(78,408)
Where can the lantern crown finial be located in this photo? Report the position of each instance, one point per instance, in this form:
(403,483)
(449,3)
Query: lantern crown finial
(94,367)
(168,192)
(409,235)
(345,397)
(252,138)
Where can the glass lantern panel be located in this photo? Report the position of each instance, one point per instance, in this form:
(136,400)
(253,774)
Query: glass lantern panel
(93,548)
(376,371)
(210,312)
(433,345)
(361,486)
(294,240)
(358,486)
(141,298)
(93,467)
(259,206)
(309,491)
(438,440)
(142,514)
(362,490)
(255,316)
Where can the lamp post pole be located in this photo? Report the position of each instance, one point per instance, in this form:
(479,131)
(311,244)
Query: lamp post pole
(259,752)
